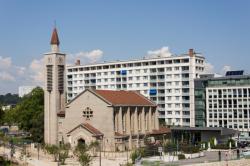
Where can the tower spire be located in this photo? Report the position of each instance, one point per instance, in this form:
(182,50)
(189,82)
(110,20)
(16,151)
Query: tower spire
(54,38)
(54,42)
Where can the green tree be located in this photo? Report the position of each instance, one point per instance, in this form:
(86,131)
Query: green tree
(29,114)
(81,151)
(9,99)
(53,150)
(59,152)
(63,152)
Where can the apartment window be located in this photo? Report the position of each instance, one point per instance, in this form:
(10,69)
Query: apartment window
(169,69)
(177,76)
(168,83)
(168,90)
(177,90)
(176,68)
(168,76)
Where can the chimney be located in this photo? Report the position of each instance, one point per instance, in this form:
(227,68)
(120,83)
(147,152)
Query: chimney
(191,52)
(78,62)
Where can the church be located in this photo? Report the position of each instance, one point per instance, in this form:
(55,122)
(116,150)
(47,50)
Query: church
(119,120)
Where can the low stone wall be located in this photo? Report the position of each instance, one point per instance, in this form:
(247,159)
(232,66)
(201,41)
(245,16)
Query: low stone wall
(194,155)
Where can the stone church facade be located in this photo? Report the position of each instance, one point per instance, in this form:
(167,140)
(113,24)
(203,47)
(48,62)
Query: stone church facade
(119,120)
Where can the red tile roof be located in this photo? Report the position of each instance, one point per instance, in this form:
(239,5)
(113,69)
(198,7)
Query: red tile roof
(54,38)
(90,128)
(124,98)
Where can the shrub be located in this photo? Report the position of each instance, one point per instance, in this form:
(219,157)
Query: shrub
(181,157)
(169,147)
(220,146)
(134,155)
(232,143)
(189,149)
(149,150)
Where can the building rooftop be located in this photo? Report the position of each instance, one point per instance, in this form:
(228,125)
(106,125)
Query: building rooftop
(90,128)
(223,131)
(124,98)
(137,60)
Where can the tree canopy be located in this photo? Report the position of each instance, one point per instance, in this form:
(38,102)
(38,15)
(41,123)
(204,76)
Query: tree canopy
(29,114)
(9,99)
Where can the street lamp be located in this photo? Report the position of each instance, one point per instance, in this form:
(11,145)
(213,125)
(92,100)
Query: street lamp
(100,156)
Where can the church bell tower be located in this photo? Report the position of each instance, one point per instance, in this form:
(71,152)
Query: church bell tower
(54,94)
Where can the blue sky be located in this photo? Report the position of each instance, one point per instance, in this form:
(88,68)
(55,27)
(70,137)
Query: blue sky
(219,29)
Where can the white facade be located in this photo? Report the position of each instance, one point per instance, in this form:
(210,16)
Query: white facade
(24,90)
(168,81)
(229,107)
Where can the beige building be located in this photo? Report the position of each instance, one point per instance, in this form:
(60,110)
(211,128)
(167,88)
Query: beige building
(118,119)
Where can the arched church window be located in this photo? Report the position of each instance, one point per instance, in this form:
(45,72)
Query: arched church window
(88,113)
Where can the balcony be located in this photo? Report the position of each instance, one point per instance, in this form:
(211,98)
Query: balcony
(161,116)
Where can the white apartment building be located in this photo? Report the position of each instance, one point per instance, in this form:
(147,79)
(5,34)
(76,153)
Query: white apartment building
(168,81)
(228,103)
(24,90)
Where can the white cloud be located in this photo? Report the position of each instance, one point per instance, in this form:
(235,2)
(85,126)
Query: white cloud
(36,71)
(4,76)
(225,69)
(162,52)
(5,62)
(20,70)
(209,68)
(86,57)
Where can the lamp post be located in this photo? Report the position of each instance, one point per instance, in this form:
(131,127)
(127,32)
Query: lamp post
(100,156)
(38,149)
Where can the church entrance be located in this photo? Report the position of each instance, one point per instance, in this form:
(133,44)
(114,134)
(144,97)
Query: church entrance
(80,141)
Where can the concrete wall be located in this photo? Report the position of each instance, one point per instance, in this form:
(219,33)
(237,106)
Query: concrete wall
(102,116)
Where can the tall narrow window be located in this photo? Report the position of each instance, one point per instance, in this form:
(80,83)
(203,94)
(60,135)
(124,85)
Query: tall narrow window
(49,77)
(139,120)
(123,121)
(146,119)
(61,78)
